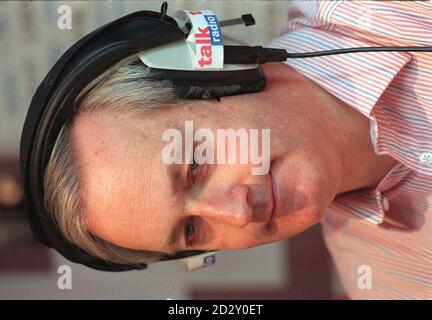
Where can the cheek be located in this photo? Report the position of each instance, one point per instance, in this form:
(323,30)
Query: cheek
(237,239)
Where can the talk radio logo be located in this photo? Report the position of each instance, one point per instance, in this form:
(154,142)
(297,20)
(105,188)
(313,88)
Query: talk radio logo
(208,39)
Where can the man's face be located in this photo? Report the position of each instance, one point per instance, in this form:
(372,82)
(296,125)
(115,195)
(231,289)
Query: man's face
(136,200)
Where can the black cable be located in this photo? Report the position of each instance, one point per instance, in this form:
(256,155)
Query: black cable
(258,54)
(353,50)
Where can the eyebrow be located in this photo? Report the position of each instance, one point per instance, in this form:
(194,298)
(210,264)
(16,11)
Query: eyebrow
(175,170)
(174,175)
(172,239)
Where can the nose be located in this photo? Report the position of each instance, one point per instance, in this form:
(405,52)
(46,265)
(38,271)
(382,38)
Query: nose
(231,206)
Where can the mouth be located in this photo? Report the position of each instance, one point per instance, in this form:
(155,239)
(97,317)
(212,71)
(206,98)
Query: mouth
(273,198)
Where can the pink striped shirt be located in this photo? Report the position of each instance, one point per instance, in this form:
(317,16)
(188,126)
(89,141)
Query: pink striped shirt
(376,259)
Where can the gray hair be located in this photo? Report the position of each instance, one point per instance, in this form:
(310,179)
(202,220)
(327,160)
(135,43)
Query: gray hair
(126,89)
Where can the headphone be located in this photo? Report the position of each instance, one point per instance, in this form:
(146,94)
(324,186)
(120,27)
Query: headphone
(172,47)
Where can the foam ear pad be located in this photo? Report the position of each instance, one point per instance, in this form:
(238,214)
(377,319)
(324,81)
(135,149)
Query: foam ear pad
(211,91)
(212,84)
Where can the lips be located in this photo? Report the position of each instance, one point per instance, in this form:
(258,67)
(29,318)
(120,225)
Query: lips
(274,200)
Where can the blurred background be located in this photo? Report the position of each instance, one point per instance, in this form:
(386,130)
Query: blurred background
(30,43)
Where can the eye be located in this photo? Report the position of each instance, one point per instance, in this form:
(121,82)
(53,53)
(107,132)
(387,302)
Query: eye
(189,232)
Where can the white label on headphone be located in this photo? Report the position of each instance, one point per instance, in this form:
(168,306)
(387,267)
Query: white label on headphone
(206,34)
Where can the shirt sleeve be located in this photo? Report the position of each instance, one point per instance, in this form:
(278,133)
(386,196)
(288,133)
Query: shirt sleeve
(390,88)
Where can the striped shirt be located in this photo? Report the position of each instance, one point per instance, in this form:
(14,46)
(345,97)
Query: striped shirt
(380,239)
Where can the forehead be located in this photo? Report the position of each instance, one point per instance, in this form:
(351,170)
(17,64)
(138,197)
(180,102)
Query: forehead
(127,190)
